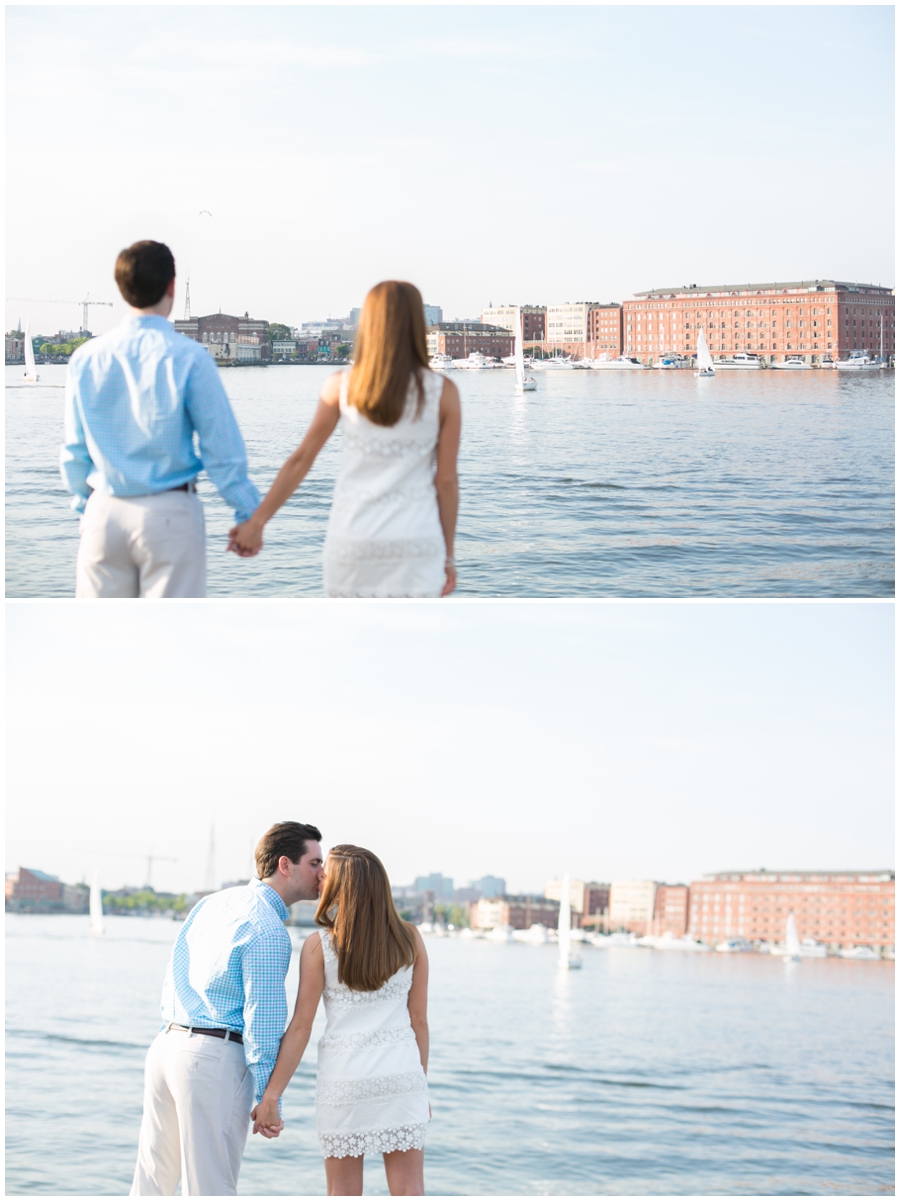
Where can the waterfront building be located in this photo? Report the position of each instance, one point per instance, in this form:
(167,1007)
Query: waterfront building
(588,901)
(604,331)
(670,910)
(534,319)
(459,339)
(631,904)
(490,886)
(568,322)
(434,314)
(229,339)
(284,349)
(840,908)
(809,319)
(521,913)
(15,346)
(441,886)
(31,891)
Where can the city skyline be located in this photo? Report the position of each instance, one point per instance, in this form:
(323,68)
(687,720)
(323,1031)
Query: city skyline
(535,160)
(617,742)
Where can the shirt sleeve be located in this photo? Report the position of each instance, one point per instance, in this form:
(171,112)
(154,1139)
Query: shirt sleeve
(75,462)
(222,448)
(265,965)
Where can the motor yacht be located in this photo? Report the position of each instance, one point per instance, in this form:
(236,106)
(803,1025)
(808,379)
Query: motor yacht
(440,362)
(554,364)
(859,362)
(859,953)
(794,363)
(739,362)
(733,946)
(476,362)
(810,949)
(622,363)
(535,934)
(500,934)
(671,362)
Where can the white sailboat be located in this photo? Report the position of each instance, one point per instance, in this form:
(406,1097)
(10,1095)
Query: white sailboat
(31,376)
(567,958)
(96,906)
(791,940)
(524,383)
(704,358)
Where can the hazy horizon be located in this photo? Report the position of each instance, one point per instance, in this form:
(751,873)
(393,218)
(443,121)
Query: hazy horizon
(623,740)
(503,154)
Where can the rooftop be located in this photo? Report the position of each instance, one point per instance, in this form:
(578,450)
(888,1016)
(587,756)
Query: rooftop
(804,285)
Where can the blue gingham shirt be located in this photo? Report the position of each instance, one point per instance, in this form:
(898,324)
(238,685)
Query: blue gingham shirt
(228,969)
(135,398)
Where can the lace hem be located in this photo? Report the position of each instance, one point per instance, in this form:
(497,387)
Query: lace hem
(376,1140)
(385,1037)
(361,550)
(349,494)
(340,994)
(370,1088)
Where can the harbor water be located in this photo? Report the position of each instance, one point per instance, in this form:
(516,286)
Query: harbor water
(642,1073)
(643,484)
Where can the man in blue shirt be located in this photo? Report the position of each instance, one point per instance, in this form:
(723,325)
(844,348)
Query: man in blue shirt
(135,399)
(224,1010)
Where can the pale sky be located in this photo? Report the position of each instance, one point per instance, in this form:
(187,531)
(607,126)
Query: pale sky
(615,741)
(511,154)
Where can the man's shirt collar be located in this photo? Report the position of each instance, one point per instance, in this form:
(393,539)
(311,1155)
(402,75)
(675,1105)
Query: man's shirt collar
(270,895)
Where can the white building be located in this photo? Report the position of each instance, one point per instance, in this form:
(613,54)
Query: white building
(553,892)
(504,316)
(568,322)
(631,905)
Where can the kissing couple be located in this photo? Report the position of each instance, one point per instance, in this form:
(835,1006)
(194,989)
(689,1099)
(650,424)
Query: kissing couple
(223,1057)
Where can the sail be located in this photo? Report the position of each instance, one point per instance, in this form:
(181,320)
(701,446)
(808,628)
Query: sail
(791,940)
(704,358)
(565,924)
(96,906)
(519,351)
(30,366)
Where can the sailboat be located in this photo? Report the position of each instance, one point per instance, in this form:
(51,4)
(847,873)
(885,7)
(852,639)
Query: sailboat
(524,383)
(96,926)
(791,940)
(567,959)
(31,376)
(704,358)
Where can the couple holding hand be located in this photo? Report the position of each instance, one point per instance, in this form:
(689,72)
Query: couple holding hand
(223,1057)
(139,396)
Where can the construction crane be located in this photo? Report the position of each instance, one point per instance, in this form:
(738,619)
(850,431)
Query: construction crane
(86,304)
(151,859)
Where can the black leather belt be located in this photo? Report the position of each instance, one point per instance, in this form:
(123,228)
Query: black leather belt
(231,1035)
(190,486)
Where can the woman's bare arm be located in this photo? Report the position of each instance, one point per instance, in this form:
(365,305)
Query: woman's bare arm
(247,538)
(446,479)
(417,1001)
(266,1117)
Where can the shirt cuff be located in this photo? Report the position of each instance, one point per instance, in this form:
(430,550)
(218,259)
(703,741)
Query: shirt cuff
(78,502)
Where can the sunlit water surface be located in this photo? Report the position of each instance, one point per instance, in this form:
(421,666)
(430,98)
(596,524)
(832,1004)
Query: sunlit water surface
(599,484)
(644,1072)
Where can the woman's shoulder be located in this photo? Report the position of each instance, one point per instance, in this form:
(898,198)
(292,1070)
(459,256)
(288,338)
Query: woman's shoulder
(331,389)
(314,943)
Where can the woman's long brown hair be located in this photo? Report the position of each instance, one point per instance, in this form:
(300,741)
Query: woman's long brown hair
(389,349)
(370,938)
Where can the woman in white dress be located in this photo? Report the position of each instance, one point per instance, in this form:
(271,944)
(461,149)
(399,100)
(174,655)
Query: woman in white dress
(371,1092)
(393,516)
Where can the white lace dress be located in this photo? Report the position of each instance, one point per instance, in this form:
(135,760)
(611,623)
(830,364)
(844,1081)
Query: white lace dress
(384,533)
(371,1091)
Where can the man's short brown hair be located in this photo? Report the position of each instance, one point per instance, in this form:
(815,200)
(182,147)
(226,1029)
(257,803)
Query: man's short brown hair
(143,272)
(284,838)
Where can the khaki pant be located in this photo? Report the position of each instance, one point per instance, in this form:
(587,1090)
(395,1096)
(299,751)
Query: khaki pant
(150,546)
(198,1093)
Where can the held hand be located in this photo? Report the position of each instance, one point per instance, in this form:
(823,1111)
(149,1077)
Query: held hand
(246,540)
(266,1119)
(450,582)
